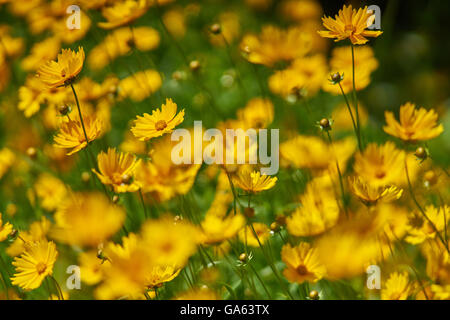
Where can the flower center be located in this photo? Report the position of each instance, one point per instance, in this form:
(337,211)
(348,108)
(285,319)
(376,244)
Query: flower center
(40,267)
(301,269)
(350,28)
(160,125)
(380,174)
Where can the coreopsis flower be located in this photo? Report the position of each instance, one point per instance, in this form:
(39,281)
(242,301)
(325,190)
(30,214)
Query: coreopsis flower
(253,181)
(342,119)
(380,165)
(34,264)
(274,45)
(91,267)
(41,53)
(50,190)
(175,21)
(170,242)
(63,71)
(420,229)
(67,35)
(162,178)
(140,85)
(7,158)
(87,219)
(438,261)
(116,169)
(202,293)
(415,124)
(302,263)
(71,134)
(314,153)
(246,235)
(319,211)
(258,113)
(160,122)
(123,12)
(370,194)
(5,229)
(397,287)
(303,78)
(300,11)
(350,24)
(216,229)
(37,231)
(365,60)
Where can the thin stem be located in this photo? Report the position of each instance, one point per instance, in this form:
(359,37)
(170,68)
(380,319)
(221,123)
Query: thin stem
(58,288)
(355,99)
(355,128)
(421,209)
(233,190)
(143,203)
(261,281)
(79,113)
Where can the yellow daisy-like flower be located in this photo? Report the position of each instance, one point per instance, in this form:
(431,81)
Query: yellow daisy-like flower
(253,181)
(216,229)
(349,23)
(123,12)
(71,134)
(140,85)
(397,287)
(160,122)
(258,113)
(302,263)
(415,124)
(262,231)
(34,264)
(370,194)
(117,170)
(5,229)
(420,229)
(63,71)
(203,293)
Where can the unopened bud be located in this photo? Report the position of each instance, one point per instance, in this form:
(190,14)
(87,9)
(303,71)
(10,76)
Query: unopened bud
(85,176)
(421,153)
(215,28)
(243,257)
(194,65)
(64,110)
(249,212)
(314,295)
(31,152)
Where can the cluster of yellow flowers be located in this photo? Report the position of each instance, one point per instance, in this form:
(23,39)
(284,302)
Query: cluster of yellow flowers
(140,226)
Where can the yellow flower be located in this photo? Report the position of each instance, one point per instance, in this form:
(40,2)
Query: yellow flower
(37,231)
(41,52)
(87,219)
(319,211)
(216,229)
(5,229)
(160,122)
(71,133)
(365,61)
(161,274)
(175,21)
(7,158)
(229,29)
(170,242)
(397,287)
(50,190)
(257,114)
(302,263)
(202,293)
(123,12)
(419,228)
(275,45)
(117,170)
(370,194)
(415,124)
(161,177)
(34,264)
(262,231)
(63,71)
(438,261)
(349,23)
(140,85)
(342,119)
(253,181)
(91,267)
(380,165)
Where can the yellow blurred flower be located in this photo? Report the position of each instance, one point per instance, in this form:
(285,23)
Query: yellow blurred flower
(216,229)
(175,21)
(438,261)
(247,236)
(91,267)
(415,124)
(123,12)
(37,231)
(35,263)
(71,134)
(50,190)
(117,170)
(87,219)
(274,45)
(370,194)
(160,122)
(63,71)
(302,263)
(5,229)
(318,212)
(420,229)
(342,119)
(258,113)
(349,24)
(140,85)
(203,293)
(41,52)
(229,29)
(7,158)
(301,10)
(397,287)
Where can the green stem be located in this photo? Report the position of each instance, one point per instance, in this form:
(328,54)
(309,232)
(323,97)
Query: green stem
(79,113)
(355,99)
(355,128)
(58,288)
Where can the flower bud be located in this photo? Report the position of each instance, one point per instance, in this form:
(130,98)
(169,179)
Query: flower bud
(31,152)
(314,295)
(243,257)
(215,28)
(194,65)
(421,153)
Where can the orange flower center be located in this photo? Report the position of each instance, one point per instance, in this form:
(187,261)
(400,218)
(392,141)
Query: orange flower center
(40,267)
(301,269)
(350,28)
(160,125)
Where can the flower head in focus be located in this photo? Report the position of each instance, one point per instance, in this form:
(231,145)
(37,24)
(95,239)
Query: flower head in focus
(122,13)
(253,181)
(5,229)
(398,287)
